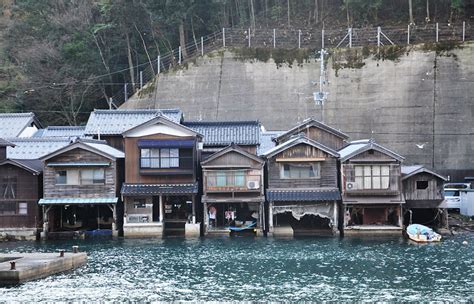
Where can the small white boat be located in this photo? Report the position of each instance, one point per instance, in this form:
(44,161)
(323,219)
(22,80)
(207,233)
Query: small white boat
(422,234)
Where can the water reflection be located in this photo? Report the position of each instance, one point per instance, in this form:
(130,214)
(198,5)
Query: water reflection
(257,269)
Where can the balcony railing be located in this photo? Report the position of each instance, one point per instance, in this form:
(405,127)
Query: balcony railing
(232,181)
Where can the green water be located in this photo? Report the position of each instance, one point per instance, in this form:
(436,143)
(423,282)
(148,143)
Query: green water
(263,269)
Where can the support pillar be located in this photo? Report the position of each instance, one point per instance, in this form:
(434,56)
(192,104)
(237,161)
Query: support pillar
(114,215)
(334,228)
(194,209)
(205,218)
(270,216)
(162,209)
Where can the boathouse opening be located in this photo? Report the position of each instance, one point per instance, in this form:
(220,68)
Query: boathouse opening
(233,218)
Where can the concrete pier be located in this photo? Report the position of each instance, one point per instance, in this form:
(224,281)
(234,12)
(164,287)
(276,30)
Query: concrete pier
(17,268)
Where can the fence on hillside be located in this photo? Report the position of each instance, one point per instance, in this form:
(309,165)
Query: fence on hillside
(290,39)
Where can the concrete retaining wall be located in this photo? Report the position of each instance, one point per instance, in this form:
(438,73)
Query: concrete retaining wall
(420,105)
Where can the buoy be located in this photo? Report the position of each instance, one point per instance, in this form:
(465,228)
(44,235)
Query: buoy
(464,243)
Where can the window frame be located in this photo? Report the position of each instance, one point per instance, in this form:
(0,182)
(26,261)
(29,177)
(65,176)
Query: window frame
(365,177)
(167,158)
(80,178)
(315,166)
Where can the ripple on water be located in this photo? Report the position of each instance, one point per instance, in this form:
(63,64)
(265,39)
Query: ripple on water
(257,269)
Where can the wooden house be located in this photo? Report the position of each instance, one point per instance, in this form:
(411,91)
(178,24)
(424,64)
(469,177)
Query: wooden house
(371,185)
(220,134)
(81,188)
(161,179)
(20,189)
(317,131)
(423,191)
(109,125)
(302,188)
(233,192)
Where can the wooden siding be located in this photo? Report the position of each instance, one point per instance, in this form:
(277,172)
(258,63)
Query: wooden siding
(3,153)
(134,175)
(433,192)
(322,136)
(328,168)
(234,159)
(51,190)
(27,191)
(372,156)
(394,182)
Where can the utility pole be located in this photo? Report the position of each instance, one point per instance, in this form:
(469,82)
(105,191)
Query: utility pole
(320,97)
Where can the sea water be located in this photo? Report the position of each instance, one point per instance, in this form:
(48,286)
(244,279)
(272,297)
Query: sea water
(256,269)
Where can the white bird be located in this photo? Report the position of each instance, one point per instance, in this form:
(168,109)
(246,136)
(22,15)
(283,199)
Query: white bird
(421,146)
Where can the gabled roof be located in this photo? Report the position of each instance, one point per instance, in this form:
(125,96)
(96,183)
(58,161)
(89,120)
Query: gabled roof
(61,131)
(409,171)
(299,139)
(115,122)
(163,120)
(310,122)
(34,166)
(94,146)
(34,147)
(223,133)
(232,148)
(5,143)
(358,146)
(267,141)
(13,124)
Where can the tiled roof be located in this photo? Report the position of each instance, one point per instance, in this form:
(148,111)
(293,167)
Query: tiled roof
(103,147)
(302,195)
(61,131)
(296,140)
(115,122)
(358,146)
(34,148)
(223,133)
(33,165)
(5,143)
(312,122)
(266,141)
(12,124)
(152,189)
(78,201)
(408,171)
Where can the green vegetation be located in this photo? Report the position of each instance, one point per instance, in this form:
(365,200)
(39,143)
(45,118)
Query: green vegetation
(68,56)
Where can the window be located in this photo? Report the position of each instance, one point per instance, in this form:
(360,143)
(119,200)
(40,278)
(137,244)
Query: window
(7,208)
(226,179)
(421,185)
(159,158)
(93,177)
(23,208)
(372,177)
(298,171)
(80,177)
(8,187)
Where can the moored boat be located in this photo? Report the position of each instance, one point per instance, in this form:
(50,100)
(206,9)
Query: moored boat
(422,234)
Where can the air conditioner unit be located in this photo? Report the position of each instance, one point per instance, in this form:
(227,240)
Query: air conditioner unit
(253,185)
(351,186)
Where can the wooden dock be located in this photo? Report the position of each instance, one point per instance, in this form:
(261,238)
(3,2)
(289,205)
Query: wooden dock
(16,268)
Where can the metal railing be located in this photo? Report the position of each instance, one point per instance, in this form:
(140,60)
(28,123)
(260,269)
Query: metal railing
(309,38)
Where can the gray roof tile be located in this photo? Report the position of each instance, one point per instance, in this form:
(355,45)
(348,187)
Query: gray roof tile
(224,133)
(150,189)
(61,131)
(266,141)
(302,195)
(115,122)
(34,148)
(12,124)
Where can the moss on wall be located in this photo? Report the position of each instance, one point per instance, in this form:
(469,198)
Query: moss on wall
(279,56)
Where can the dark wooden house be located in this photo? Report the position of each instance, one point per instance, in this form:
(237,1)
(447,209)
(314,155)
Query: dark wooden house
(302,189)
(81,186)
(371,189)
(161,179)
(233,192)
(109,125)
(317,131)
(423,190)
(20,189)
